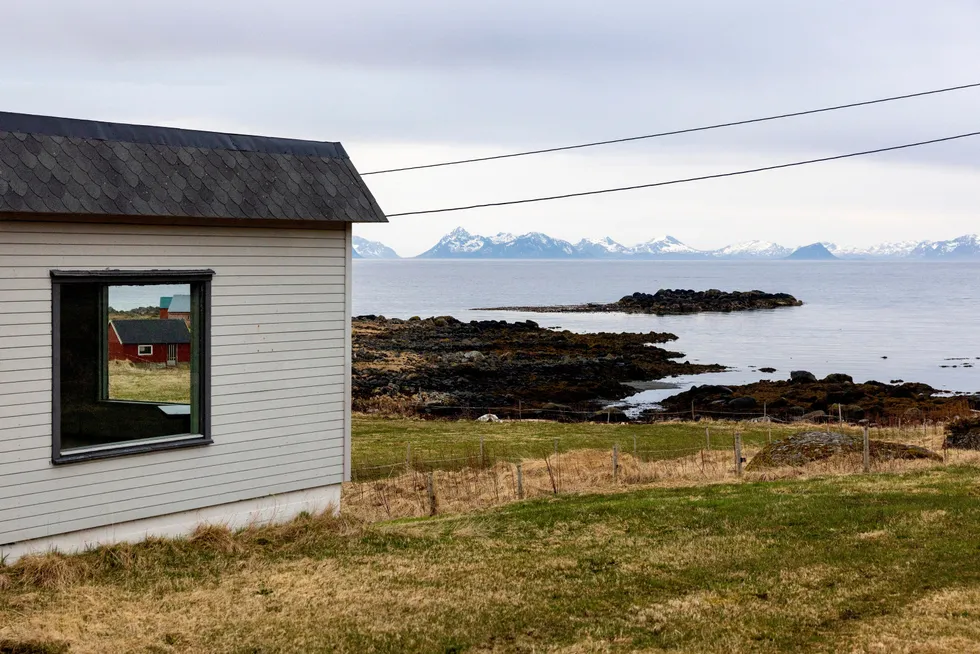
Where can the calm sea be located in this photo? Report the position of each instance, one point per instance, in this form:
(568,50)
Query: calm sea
(871,320)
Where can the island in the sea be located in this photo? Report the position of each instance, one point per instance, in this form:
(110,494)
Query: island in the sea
(673,302)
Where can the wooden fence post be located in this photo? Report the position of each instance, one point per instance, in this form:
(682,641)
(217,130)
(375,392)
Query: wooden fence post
(432,493)
(520,481)
(867,450)
(707,438)
(615,462)
(738,454)
(557,468)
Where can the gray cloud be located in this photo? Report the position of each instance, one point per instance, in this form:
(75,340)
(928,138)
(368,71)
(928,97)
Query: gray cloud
(509,74)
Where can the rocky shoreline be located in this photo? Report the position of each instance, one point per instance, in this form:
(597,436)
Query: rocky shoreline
(442,366)
(834,397)
(667,302)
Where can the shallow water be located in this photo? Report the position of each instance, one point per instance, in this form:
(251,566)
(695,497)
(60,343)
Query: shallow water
(871,320)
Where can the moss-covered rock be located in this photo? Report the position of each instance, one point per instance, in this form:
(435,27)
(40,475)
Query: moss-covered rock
(810,446)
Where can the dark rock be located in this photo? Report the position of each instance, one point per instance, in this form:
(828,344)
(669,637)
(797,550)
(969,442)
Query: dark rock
(874,399)
(813,416)
(671,302)
(802,377)
(611,414)
(767,370)
(709,389)
(742,403)
(963,434)
(850,412)
(838,378)
(493,363)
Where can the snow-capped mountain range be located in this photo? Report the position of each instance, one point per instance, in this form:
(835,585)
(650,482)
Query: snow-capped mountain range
(461,244)
(365,249)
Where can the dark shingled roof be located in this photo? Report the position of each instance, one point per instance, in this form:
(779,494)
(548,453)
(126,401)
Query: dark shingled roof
(151,332)
(67,166)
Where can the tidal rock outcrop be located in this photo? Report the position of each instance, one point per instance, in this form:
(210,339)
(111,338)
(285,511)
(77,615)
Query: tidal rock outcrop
(673,302)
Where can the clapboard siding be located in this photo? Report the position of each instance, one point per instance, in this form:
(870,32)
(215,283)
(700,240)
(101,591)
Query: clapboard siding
(275,483)
(268,367)
(280,422)
(271,433)
(89,490)
(231,312)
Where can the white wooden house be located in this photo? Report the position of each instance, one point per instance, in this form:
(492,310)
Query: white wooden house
(258,232)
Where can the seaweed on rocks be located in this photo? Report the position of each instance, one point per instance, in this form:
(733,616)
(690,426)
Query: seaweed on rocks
(834,397)
(445,367)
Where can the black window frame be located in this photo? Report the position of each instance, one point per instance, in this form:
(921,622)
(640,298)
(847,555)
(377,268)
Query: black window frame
(110,277)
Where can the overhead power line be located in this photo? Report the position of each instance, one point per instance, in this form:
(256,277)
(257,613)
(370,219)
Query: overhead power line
(685,180)
(690,130)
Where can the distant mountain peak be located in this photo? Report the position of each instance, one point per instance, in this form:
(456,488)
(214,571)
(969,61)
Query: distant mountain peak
(365,249)
(812,252)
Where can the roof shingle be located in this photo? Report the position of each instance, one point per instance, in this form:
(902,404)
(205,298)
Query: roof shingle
(67,166)
(151,332)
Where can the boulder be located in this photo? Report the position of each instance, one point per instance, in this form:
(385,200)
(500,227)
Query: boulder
(767,370)
(802,377)
(838,378)
(800,449)
(488,417)
(711,389)
(742,403)
(475,356)
(813,416)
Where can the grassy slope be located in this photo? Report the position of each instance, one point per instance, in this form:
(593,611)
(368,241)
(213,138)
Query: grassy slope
(861,563)
(379,441)
(455,444)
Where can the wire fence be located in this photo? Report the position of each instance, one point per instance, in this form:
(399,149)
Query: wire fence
(839,413)
(643,443)
(485,473)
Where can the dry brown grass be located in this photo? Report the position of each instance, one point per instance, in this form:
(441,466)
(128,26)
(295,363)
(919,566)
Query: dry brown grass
(53,571)
(584,471)
(706,564)
(147,383)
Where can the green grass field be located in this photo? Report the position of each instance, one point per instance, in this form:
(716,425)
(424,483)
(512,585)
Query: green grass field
(382,444)
(142,383)
(880,563)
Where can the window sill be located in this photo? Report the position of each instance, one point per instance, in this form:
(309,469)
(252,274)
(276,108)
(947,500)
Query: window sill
(130,448)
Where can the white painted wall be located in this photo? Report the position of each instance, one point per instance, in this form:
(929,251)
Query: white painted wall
(280,373)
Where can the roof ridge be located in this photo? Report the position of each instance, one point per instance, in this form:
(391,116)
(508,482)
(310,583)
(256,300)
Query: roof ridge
(176,137)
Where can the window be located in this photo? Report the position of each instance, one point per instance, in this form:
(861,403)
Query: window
(127,378)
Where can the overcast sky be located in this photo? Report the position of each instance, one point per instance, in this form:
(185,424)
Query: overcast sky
(401,83)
